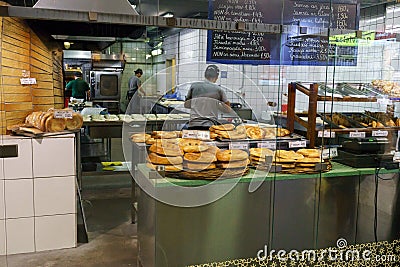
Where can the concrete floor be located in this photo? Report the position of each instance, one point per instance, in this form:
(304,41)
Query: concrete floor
(112,237)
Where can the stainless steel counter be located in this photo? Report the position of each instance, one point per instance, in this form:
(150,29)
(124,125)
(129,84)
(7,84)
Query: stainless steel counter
(287,212)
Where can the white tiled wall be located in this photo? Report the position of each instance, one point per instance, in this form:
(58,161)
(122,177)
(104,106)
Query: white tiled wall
(38,200)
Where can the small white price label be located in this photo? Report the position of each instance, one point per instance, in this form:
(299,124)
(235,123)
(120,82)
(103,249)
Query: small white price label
(297,144)
(241,146)
(189,134)
(203,135)
(270,145)
(380,133)
(330,153)
(63,114)
(357,134)
(326,134)
(28,81)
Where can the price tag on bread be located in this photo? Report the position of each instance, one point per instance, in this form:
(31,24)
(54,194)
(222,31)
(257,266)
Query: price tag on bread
(326,134)
(189,134)
(203,135)
(357,134)
(380,133)
(270,145)
(329,153)
(239,145)
(297,144)
(63,114)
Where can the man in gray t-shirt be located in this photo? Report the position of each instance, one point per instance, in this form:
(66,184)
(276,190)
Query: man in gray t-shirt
(206,100)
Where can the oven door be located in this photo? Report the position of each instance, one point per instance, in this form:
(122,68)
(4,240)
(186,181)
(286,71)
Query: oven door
(108,85)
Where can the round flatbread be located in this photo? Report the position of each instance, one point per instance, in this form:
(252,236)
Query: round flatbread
(172,150)
(162,160)
(223,127)
(204,157)
(199,166)
(168,168)
(261,152)
(255,133)
(140,137)
(288,154)
(234,164)
(309,160)
(232,155)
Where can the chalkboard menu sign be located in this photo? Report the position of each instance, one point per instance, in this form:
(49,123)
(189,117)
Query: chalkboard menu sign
(285,48)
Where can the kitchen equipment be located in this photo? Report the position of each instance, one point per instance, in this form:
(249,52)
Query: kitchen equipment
(105,85)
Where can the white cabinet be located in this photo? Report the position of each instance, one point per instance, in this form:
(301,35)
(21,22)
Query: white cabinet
(53,157)
(55,232)
(20,235)
(2,238)
(19,198)
(55,196)
(2,204)
(38,195)
(19,167)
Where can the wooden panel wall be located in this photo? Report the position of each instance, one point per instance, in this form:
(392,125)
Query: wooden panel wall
(22,50)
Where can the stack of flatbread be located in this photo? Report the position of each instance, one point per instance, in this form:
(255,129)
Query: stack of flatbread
(228,131)
(232,159)
(167,153)
(307,164)
(287,158)
(259,157)
(197,155)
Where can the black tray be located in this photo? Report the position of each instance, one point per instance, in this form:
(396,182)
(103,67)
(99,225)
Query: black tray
(363,160)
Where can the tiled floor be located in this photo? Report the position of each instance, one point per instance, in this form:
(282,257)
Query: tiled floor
(112,236)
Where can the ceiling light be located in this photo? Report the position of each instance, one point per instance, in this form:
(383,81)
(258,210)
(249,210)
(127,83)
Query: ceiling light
(168,15)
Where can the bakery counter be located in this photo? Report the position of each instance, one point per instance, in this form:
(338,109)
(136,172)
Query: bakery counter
(301,211)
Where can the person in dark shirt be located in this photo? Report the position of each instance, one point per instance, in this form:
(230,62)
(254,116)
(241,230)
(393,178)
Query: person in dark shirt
(80,89)
(135,85)
(205,100)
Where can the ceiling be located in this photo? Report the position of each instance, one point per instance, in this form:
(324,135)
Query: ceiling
(181,8)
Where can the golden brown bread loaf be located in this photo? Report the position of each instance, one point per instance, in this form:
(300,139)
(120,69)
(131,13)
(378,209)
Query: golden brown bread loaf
(162,160)
(75,123)
(55,125)
(232,155)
